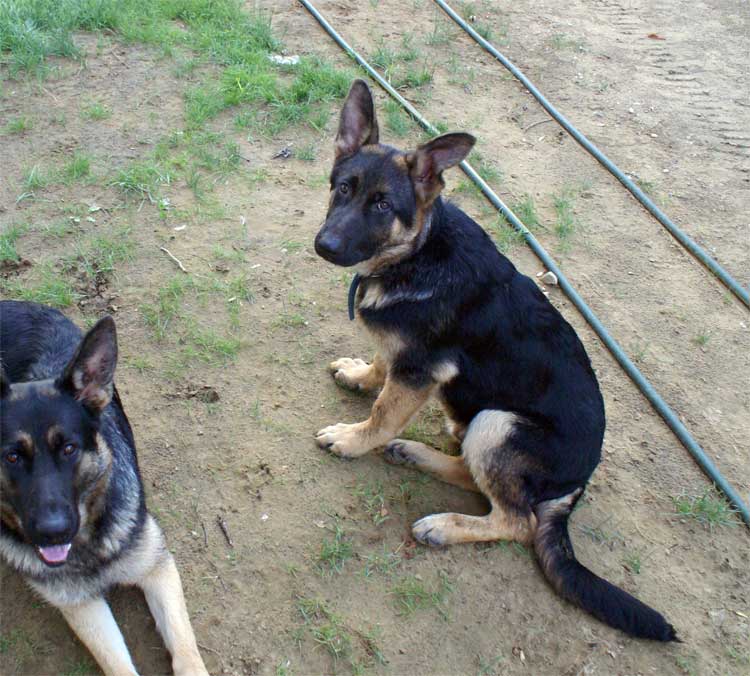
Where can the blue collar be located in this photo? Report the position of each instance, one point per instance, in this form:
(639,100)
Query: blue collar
(353,293)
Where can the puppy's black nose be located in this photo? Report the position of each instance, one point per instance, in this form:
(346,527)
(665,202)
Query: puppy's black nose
(327,245)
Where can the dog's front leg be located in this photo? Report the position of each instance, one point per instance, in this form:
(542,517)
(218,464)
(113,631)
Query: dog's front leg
(163,590)
(392,411)
(95,626)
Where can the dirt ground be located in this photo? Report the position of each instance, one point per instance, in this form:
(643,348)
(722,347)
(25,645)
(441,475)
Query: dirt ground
(674,112)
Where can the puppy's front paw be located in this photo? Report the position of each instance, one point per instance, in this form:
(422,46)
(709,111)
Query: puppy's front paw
(345,440)
(433,530)
(397,453)
(353,374)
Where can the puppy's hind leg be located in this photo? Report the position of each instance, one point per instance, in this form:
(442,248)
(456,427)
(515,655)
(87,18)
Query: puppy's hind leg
(498,470)
(163,590)
(95,626)
(448,468)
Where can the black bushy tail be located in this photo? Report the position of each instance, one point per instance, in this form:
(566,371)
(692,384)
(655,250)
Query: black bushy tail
(577,584)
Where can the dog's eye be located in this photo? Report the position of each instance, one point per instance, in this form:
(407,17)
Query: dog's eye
(383,205)
(11,457)
(344,188)
(69,449)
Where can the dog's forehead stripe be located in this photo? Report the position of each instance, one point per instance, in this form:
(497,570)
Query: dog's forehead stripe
(54,433)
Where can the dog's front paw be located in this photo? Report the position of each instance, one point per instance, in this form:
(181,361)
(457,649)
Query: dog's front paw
(353,374)
(432,530)
(397,453)
(345,440)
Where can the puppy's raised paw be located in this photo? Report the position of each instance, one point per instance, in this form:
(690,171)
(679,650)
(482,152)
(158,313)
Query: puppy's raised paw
(433,530)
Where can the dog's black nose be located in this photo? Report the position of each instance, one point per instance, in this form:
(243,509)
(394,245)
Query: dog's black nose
(54,526)
(327,245)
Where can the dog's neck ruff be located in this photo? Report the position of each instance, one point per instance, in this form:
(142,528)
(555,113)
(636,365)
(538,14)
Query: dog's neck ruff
(357,279)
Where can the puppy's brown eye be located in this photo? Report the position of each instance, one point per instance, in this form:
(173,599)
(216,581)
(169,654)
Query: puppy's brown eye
(11,458)
(344,188)
(69,449)
(384,205)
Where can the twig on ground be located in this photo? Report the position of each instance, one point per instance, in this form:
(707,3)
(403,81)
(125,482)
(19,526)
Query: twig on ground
(534,124)
(175,259)
(224,529)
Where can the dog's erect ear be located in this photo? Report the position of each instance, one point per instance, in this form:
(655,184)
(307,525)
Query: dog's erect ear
(430,160)
(358,125)
(90,373)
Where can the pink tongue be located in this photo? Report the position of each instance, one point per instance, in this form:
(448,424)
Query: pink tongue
(55,554)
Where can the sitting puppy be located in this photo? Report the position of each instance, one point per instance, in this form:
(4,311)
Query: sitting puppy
(454,319)
(73,517)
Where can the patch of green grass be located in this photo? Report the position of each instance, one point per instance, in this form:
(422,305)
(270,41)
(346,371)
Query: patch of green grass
(396,120)
(35,179)
(506,237)
(141,180)
(383,57)
(160,315)
(408,52)
(688,664)
(209,347)
(565,220)
(307,153)
(140,364)
(292,320)
(97,256)
(489,667)
(632,562)
(710,509)
(78,167)
(334,552)
(360,649)
(562,41)
(410,594)
(412,78)
(525,209)
(440,33)
(8,238)
(18,126)
(701,339)
(649,187)
(372,497)
(82,667)
(95,111)
(50,289)
(384,563)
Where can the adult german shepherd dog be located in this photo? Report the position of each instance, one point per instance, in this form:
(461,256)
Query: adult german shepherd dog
(73,518)
(453,318)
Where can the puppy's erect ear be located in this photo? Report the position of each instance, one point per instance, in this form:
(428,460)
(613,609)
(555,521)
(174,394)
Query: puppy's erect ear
(430,160)
(90,373)
(358,125)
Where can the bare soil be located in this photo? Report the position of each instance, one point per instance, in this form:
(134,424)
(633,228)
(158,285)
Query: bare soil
(674,112)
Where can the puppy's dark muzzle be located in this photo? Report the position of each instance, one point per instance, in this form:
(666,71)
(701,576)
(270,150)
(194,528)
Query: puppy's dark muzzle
(328,245)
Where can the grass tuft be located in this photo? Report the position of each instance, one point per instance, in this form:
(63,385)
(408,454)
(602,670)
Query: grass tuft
(710,509)
(411,594)
(334,553)
(8,238)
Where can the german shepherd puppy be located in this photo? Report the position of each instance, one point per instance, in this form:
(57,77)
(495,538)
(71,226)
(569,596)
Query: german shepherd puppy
(73,518)
(453,318)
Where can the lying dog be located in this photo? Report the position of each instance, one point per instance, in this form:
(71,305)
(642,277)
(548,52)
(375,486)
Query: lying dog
(73,518)
(453,318)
